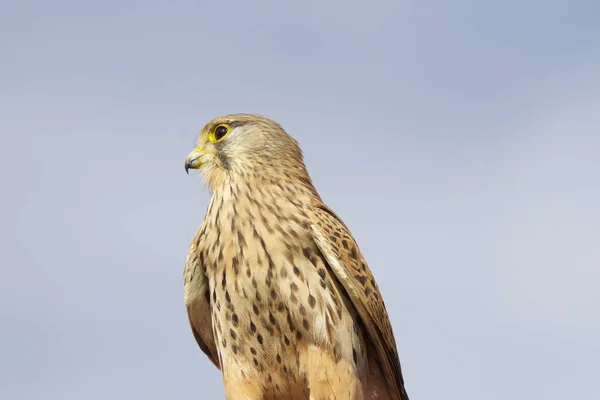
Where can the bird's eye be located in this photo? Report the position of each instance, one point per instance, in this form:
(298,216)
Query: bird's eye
(219,133)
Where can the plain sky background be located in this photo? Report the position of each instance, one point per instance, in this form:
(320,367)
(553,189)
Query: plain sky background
(460,141)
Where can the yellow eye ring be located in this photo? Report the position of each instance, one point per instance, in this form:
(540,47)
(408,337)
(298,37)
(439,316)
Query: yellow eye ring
(218,133)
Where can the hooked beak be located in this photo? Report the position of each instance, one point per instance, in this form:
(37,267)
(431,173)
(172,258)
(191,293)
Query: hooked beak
(194,159)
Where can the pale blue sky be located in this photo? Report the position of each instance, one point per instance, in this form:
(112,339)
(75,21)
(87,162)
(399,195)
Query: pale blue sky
(460,141)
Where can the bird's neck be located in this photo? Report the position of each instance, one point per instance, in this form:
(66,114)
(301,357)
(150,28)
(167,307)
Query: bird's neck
(262,190)
(264,181)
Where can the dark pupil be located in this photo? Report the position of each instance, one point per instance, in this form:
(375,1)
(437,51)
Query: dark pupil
(220,132)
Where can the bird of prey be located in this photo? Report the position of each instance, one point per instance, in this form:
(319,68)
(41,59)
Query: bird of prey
(278,294)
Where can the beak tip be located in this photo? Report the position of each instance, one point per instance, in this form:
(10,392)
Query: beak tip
(194,160)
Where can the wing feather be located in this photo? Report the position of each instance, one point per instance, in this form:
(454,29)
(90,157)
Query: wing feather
(197,301)
(340,250)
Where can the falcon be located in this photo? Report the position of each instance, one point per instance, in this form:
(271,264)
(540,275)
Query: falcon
(278,294)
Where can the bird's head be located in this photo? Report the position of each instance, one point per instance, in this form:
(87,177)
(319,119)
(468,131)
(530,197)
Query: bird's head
(244,146)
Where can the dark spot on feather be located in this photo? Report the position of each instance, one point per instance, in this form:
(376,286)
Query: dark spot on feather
(353,253)
(270,260)
(336,352)
(312,301)
(263,245)
(241,239)
(306,252)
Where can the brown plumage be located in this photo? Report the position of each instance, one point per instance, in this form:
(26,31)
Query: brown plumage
(278,294)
